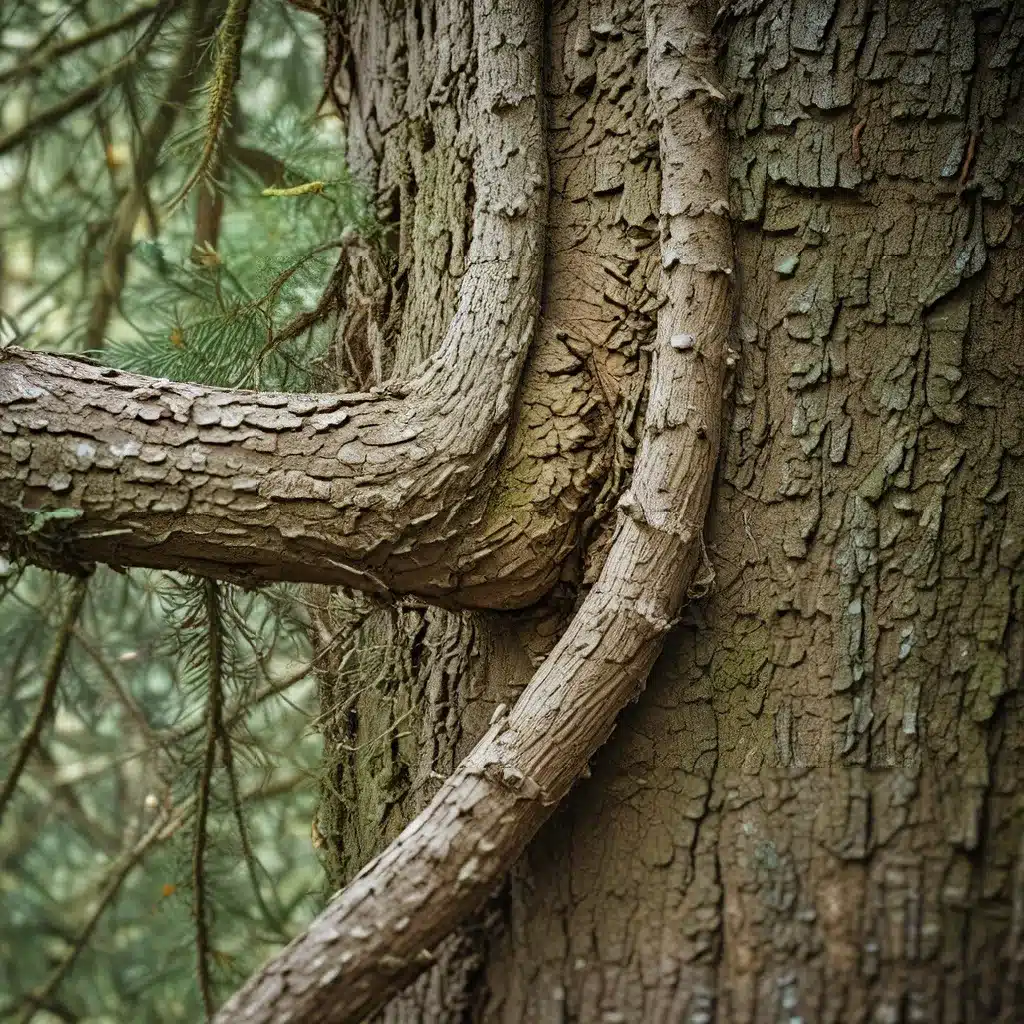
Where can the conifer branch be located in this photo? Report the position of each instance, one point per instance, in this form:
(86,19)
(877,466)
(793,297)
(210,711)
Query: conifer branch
(162,829)
(94,90)
(227,64)
(122,696)
(181,81)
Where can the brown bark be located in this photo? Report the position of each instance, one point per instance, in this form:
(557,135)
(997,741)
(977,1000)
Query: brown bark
(814,810)
(378,933)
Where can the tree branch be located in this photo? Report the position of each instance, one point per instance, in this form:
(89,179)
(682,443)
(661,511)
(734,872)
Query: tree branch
(383,491)
(91,92)
(182,79)
(54,668)
(44,59)
(204,786)
(377,935)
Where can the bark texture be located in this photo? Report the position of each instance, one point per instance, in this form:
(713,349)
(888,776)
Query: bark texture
(814,812)
(379,932)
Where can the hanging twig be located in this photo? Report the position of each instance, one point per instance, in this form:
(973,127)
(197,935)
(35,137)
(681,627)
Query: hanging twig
(227,756)
(51,678)
(214,699)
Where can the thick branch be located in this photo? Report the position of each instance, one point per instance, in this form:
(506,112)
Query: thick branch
(378,933)
(378,490)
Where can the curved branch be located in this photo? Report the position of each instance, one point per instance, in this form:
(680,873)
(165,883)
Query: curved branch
(377,490)
(378,933)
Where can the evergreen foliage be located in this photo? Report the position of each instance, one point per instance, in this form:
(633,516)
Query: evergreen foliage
(167,195)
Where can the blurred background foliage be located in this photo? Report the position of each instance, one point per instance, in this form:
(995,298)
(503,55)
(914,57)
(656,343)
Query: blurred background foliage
(172,200)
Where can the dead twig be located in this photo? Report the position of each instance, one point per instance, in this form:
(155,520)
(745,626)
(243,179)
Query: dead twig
(51,678)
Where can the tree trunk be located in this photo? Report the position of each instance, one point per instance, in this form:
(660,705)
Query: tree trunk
(813,813)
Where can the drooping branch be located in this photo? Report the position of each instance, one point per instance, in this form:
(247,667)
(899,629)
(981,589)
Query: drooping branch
(227,65)
(377,935)
(379,490)
(51,678)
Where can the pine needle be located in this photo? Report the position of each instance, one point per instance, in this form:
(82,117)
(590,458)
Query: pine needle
(227,64)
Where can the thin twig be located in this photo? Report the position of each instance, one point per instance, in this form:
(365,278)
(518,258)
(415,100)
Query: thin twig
(51,678)
(165,827)
(273,689)
(215,693)
(228,757)
(159,831)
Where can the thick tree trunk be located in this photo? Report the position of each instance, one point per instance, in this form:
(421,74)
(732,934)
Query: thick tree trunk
(814,812)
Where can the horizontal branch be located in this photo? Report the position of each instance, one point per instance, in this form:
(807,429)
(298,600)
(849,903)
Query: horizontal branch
(383,491)
(379,932)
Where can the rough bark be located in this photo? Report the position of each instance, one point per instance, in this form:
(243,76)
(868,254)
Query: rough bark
(814,810)
(379,931)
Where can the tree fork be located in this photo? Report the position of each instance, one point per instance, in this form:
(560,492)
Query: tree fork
(377,934)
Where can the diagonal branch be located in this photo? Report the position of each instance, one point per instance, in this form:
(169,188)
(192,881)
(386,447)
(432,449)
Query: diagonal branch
(378,490)
(44,59)
(51,678)
(378,933)
(94,90)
